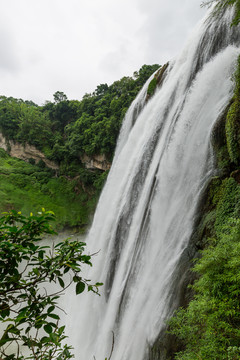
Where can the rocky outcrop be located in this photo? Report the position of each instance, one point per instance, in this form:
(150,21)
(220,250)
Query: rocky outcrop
(25,152)
(3,143)
(96,162)
(157,81)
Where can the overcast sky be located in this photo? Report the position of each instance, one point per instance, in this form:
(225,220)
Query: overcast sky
(74,45)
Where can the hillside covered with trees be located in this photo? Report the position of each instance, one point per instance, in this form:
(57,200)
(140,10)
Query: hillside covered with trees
(64,131)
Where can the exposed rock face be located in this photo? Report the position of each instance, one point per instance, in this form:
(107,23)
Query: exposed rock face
(3,143)
(96,162)
(26,152)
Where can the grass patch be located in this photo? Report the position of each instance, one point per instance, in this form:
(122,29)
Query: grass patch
(28,188)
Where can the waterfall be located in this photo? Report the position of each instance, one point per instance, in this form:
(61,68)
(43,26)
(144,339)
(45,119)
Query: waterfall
(146,212)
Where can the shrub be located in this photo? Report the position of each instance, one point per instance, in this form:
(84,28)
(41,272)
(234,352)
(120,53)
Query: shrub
(27,309)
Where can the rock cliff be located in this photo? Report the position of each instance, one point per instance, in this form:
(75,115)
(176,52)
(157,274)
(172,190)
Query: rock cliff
(25,152)
(96,162)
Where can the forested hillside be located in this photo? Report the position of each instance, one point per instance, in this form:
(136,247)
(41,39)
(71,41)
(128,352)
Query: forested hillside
(64,131)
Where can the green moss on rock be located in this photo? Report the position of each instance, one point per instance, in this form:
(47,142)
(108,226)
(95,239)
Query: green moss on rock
(219,143)
(156,81)
(233,122)
(152,87)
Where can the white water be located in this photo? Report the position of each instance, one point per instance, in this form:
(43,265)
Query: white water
(145,215)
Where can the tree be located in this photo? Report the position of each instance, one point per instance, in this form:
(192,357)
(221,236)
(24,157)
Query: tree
(145,72)
(101,89)
(59,96)
(27,309)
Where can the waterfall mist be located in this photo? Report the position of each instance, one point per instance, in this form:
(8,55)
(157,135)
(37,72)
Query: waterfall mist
(146,212)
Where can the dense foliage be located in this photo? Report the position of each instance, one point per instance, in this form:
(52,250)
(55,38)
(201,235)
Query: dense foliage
(29,311)
(210,326)
(64,130)
(29,187)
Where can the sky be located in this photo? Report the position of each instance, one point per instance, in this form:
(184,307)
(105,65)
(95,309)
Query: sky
(75,45)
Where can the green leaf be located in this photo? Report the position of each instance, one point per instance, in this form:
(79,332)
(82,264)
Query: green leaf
(61,282)
(4,341)
(48,328)
(66,269)
(54,338)
(54,316)
(50,309)
(61,330)
(80,287)
(44,340)
(40,254)
(75,267)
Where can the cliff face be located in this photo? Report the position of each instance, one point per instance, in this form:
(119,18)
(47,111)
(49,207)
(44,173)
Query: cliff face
(26,152)
(96,162)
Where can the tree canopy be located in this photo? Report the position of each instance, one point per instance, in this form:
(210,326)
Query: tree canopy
(65,129)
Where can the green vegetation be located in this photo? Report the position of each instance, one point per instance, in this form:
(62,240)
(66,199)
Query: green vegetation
(209,327)
(233,122)
(64,130)
(157,80)
(152,86)
(28,187)
(29,312)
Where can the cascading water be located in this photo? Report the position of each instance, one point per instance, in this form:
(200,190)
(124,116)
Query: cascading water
(145,215)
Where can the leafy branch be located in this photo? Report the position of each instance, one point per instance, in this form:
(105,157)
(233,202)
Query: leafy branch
(26,307)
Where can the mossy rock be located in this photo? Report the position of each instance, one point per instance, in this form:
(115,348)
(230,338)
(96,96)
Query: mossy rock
(156,81)
(233,122)
(219,143)
(152,87)
(233,131)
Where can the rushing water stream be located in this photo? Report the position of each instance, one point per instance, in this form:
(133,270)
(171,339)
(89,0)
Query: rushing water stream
(146,212)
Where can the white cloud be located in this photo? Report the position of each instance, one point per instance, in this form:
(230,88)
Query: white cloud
(74,45)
